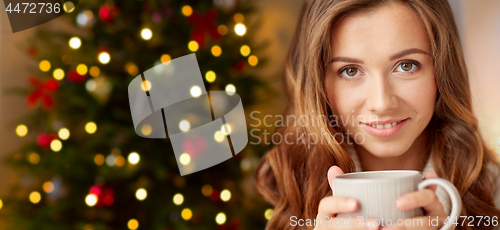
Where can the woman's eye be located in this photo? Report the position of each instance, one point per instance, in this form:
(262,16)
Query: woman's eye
(406,67)
(351,72)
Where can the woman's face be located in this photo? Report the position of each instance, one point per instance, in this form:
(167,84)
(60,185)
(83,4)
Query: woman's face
(382,75)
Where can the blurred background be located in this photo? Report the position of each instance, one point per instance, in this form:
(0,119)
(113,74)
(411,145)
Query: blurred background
(71,159)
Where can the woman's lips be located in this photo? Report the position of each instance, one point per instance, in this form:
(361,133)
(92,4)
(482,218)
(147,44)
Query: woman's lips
(389,129)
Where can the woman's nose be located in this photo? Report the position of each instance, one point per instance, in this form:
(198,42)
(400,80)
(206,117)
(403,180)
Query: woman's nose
(381,95)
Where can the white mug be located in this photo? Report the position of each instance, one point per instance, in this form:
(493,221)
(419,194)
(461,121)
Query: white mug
(377,192)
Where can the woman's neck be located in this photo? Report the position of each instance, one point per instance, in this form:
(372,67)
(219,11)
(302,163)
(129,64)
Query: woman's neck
(414,159)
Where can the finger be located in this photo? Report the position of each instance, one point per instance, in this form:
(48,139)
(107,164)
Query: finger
(429,176)
(333,172)
(425,198)
(330,206)
(344,223)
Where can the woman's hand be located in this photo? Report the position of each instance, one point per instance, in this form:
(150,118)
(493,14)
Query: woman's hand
(330,206)
(425,199)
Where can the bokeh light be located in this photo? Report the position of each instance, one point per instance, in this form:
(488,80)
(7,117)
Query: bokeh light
(216,51)
(21,130)
(210,76)
(133,224)
(193,46)
(58,74)
(134,158)
(35,197)
(220,218)
(141,194)
(245,50)
(75,43)
(186,214)
(178,199)
(99,159)
(104,57)
(48,187)
(56,145)
(44,65)
(230,89)
(63,133)
(82,69)
(185,159)
(240,29)
(184,126)
(187,10)
(146,34)
(90,127)
(225,195)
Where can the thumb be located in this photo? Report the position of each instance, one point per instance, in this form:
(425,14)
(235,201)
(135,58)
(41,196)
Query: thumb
(333,172)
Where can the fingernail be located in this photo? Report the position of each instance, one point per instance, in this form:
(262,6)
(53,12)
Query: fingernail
(401,202)
(351,203)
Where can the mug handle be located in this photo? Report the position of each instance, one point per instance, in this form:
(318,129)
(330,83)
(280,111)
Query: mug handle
(456,201)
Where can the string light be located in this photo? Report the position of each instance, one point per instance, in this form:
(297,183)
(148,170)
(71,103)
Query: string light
(21,130)
(230,89)
(220,219)
(195,91)
(216,51)
(268,213)
(1,204)
(48,187)
(185,159)
(75,43)
(91,200)
(104,57)
(219,136)
(119,161)
(56,145)
(134,158)
(34,158)
(210,76)
(35,197)
(141,194)
(44,65)
(94,71)
(186,214)
(99,159)
(63,134)
(82,69)
(178,199)
(110,160)
(133,224)
(184,125)
(206,190)
(91,85)
(146,85)
(187,10)
(58,74)
(253,60)
(240,29)
(222,29)
(90,127)
(146,34)
(245,50)
(225,195)
(193,46)
(165,58)
(69,6)
(146,130)
(239,18)
(132,69)
(226,129)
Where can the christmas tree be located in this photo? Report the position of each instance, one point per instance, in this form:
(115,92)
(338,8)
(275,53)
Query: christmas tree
(85,167)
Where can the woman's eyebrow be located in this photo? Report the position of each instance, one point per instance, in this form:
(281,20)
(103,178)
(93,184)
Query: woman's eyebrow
(407,52)
(347,59)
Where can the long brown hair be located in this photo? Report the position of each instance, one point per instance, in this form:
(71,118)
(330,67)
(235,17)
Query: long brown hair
(292,177)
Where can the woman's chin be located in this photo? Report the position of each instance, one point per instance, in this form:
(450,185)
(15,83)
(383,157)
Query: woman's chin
(385,150)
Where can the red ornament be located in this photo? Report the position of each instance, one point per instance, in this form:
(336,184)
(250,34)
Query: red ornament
(74,76)
(105,195)
(215,196)
(42,92)
(107,13)
(203,25)
(44,139)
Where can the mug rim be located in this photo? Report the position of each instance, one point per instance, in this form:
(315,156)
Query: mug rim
(349,176)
